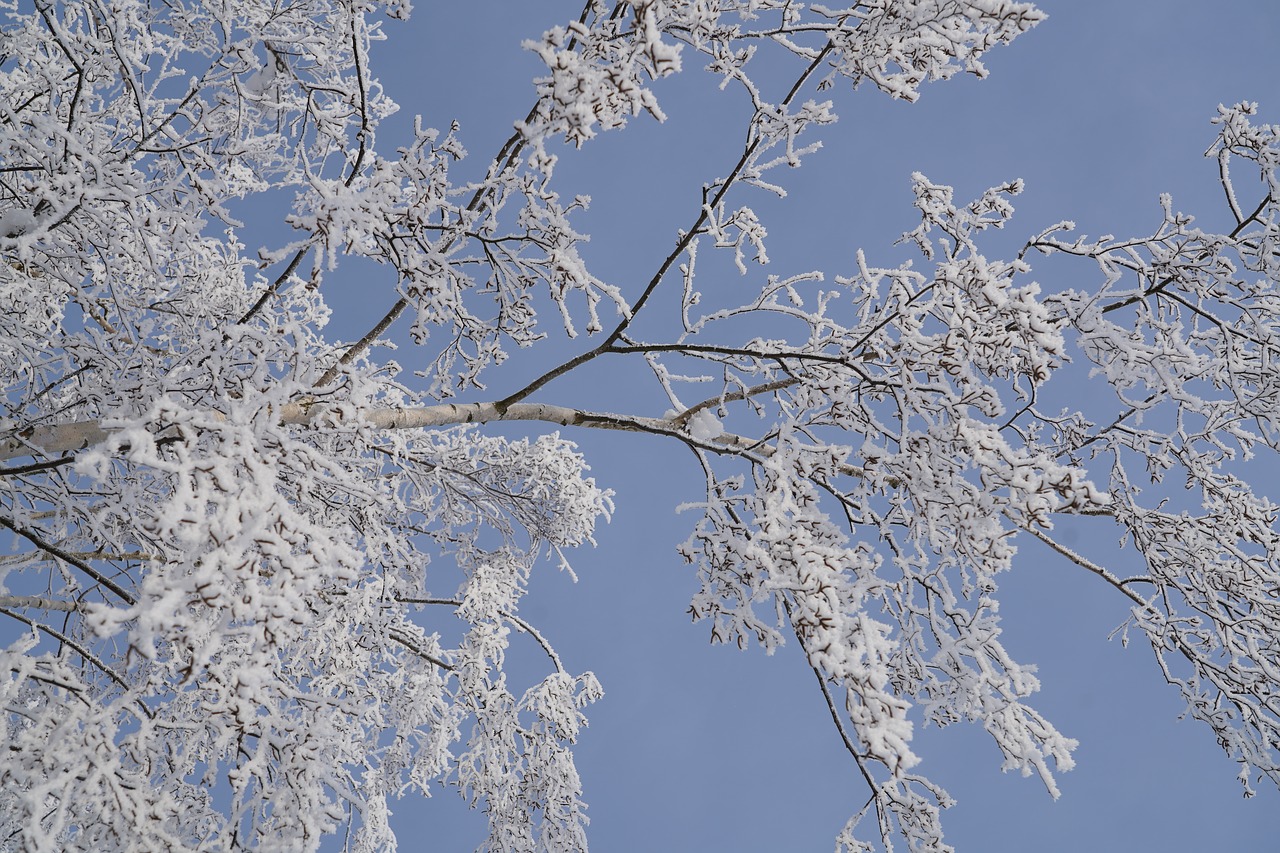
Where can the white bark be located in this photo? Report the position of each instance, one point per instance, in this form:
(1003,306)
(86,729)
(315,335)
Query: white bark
(57,439)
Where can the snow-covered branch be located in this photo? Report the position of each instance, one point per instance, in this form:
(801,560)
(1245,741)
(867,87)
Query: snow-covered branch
(225,523)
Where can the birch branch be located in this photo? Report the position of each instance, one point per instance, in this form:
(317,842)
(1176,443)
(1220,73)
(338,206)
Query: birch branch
(70,437)
(79,435)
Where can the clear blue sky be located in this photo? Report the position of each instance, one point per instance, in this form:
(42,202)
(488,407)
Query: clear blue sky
(1100,109)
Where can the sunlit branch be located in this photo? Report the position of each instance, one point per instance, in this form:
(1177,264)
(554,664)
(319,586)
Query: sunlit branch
(742,352)
(70,437)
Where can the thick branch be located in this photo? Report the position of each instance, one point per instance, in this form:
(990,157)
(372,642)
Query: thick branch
(67,438)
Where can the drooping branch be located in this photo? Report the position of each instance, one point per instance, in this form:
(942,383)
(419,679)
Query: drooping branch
(1085,563)
(68,438)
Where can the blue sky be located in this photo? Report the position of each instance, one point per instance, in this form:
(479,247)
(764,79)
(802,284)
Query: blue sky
(1100,109)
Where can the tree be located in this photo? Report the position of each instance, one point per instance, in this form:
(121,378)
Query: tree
(222,520)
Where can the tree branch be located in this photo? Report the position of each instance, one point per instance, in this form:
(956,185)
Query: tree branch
(682,245)
(85,654)
(520,624)
(66,557)
(38,603)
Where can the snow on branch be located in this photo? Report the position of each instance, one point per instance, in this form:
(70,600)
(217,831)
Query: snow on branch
(228,530)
